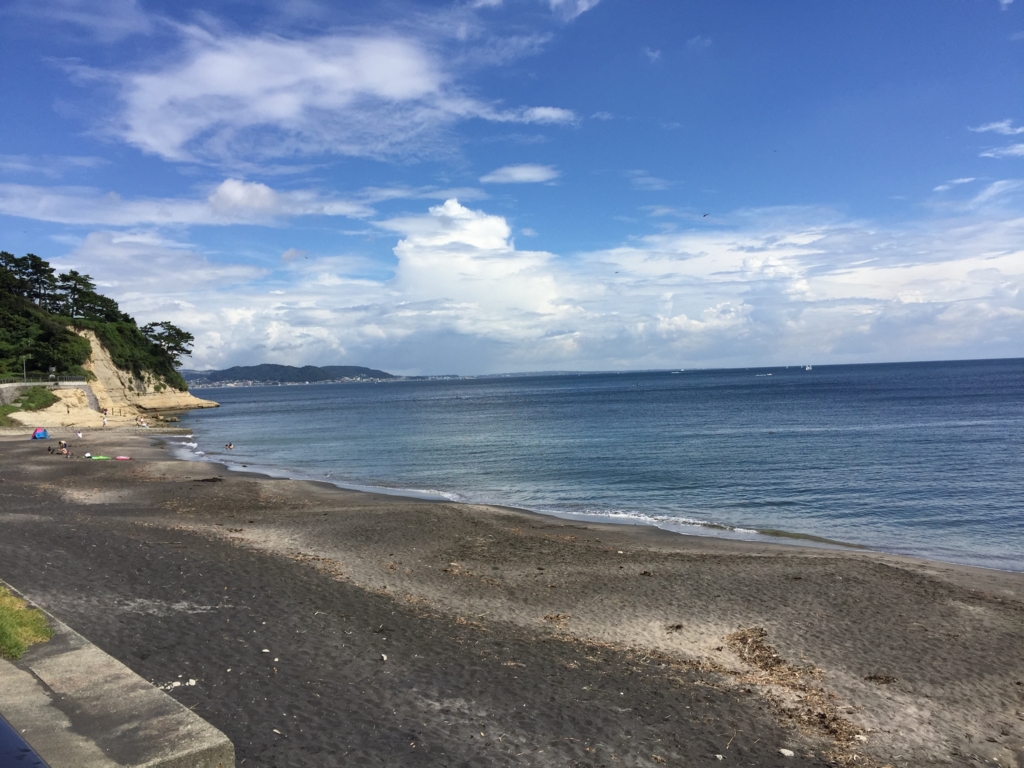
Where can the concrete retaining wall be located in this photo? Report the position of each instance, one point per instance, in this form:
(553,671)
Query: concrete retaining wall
(77,707)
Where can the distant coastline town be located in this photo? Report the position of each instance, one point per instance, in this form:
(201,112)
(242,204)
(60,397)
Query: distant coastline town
(282,375)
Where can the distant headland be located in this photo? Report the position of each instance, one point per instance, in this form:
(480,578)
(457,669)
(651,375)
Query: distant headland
(269,373)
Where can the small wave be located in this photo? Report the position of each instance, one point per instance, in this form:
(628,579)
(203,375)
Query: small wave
(644,518)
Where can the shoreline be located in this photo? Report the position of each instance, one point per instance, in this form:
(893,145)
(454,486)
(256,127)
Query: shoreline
(702,529)
(805,648)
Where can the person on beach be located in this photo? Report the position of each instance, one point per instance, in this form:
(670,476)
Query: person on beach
(78,432)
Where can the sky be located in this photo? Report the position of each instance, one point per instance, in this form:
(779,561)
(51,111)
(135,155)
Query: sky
(485,186)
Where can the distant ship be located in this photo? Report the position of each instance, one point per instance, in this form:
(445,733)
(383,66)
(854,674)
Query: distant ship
(807,367)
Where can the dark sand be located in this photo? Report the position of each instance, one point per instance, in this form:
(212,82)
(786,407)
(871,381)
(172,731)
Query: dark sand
(511,638)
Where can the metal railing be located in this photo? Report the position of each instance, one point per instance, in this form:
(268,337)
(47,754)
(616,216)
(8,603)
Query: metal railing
(39,379)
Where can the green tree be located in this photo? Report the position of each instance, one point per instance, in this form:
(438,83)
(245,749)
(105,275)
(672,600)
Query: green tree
(75,290)
(175,342)
(42,283)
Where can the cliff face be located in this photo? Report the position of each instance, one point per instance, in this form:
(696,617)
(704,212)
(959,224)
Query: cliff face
(119,390)
(125,396)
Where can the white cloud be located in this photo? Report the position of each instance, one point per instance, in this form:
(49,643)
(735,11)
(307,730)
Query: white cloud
(542,115)
(141,265)
(698,42)
(1013,150)
(570,9)
(952,183)
(462,262)
(1005,4)
(52,166)
(1005,127)
(107,21)
(997,194)
(762,286)
(232,202)
(261,97)
(644,181)
(292,254)
(652,55)
(519,174)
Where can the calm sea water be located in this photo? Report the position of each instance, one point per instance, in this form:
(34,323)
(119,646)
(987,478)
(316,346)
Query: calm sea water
(924,459)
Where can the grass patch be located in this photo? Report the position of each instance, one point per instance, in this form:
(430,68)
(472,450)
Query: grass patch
(32,399)
(37,398)
(20,627)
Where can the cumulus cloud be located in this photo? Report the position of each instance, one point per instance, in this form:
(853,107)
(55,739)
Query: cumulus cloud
(760,287)
(258,97)
(520,174)
(233,201)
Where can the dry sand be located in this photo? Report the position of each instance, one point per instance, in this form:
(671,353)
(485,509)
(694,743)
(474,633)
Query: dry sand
(511,638)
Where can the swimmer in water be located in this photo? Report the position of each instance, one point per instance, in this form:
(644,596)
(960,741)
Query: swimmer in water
(230,446)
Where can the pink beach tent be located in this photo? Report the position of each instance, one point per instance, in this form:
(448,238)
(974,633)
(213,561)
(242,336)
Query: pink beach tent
(40,434)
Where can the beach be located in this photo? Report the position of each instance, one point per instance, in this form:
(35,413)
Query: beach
(333,627)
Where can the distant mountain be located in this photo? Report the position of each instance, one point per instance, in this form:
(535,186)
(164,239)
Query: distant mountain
(285,374)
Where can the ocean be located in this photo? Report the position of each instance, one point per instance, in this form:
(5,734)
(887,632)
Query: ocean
(923,459)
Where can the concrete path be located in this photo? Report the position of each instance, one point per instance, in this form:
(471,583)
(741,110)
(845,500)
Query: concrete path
(77,707)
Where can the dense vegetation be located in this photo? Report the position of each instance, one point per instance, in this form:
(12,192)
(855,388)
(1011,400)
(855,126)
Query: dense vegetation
(286,374)
(39,308)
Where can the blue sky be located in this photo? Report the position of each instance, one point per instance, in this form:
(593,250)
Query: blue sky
(515,185)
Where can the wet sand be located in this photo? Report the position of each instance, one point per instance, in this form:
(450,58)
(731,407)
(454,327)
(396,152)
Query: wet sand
(510,638)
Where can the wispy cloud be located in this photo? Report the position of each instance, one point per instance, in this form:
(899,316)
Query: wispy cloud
(952,183)
(698,42)
(1012,150)
(652,55)
(106,21)
(520,174)
(232,202)
(52,166)
(642,180)
(570,9)
(1005,127)
(227,98)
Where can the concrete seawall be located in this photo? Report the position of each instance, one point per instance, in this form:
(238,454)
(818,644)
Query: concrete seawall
(77,707)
